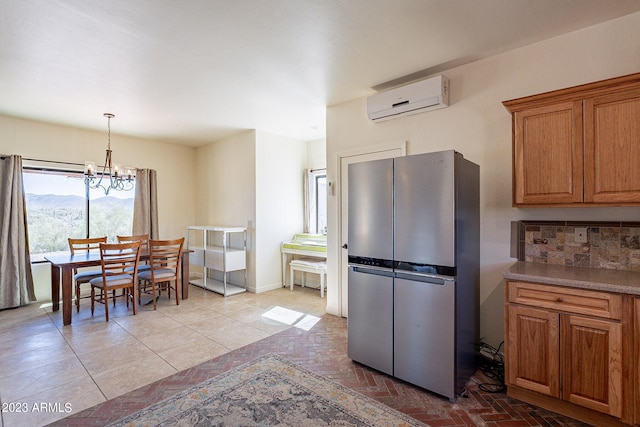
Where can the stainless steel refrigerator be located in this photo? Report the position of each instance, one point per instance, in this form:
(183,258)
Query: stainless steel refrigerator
(414,260)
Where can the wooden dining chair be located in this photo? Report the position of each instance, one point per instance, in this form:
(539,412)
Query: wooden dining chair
(142,238)
(164,258)
(119,262)
(144,246)
(77,246)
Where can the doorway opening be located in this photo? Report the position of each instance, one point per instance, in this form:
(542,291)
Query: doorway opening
(385,151)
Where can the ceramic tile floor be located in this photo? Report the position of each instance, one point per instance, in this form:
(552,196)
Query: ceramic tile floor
(54,371)
(86,364)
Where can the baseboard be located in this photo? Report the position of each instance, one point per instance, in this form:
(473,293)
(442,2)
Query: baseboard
(267,288)
(331,311)
(565,408)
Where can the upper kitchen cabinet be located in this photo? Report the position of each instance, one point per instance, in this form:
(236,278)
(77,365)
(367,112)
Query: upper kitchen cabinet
(612,148)
(578,146)
(548,154)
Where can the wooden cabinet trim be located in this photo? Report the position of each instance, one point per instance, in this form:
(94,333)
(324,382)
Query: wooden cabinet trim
(629,369)
(578,301)
(635,331)
(588,90)
(565,408)
(574,205)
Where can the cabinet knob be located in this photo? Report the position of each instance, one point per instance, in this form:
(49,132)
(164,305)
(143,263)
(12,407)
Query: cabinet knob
(559,299)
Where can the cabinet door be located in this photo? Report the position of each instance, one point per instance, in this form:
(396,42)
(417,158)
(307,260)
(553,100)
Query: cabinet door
(592,363)
(548,154)
(612,148)
(533,350)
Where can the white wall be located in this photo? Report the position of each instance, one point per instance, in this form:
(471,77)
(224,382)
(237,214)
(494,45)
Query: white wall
(280,163)
(317,154)
(226,190)
(174,164)
(477,125)
(254,177)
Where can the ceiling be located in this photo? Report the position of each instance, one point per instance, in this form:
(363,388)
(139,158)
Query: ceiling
(192,72)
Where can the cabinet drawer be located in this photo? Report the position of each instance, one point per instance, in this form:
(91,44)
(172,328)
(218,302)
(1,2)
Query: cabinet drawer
(591,303)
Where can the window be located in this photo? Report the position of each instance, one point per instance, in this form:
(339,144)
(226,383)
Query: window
(318,201)
(60,205)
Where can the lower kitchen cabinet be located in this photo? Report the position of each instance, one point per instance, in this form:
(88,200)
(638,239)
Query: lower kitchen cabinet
(591,352)
(571,351)
(533,350)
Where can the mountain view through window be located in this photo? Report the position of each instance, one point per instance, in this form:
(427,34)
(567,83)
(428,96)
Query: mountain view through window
(60,206)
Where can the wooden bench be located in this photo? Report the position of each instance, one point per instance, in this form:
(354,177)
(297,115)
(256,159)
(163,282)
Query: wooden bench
(306,265)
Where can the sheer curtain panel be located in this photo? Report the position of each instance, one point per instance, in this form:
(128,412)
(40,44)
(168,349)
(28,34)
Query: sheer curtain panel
(16,278)
(307,181)
(145,204)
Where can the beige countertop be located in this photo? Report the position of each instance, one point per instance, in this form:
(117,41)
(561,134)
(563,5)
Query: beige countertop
(599,279)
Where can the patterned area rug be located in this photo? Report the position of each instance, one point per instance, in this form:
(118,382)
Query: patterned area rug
(268,391)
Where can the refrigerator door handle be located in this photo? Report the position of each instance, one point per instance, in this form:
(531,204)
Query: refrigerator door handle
(379,271)
(426,278)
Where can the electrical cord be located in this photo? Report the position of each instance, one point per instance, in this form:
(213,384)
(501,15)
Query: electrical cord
(491,363)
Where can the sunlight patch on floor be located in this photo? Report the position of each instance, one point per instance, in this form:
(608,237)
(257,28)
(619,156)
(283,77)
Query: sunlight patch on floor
(282,315)
(291,317)
(307,322)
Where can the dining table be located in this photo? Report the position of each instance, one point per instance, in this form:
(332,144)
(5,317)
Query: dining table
(63,265)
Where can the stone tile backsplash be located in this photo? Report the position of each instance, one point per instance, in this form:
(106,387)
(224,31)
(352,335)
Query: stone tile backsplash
(614,245)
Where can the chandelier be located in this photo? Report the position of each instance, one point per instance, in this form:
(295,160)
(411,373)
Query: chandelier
(115,177)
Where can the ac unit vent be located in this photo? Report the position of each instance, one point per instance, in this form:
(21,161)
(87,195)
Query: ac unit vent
(414,98)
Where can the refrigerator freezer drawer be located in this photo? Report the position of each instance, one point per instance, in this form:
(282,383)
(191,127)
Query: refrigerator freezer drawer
(370,322)
(424,334)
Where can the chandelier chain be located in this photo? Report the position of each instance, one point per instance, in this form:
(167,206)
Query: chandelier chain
(108,131)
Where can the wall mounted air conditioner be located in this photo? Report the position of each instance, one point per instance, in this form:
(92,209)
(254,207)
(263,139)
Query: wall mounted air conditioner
(425,95)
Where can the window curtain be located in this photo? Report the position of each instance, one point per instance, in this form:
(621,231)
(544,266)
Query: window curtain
(16,278)
(308,199)
(145,204)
